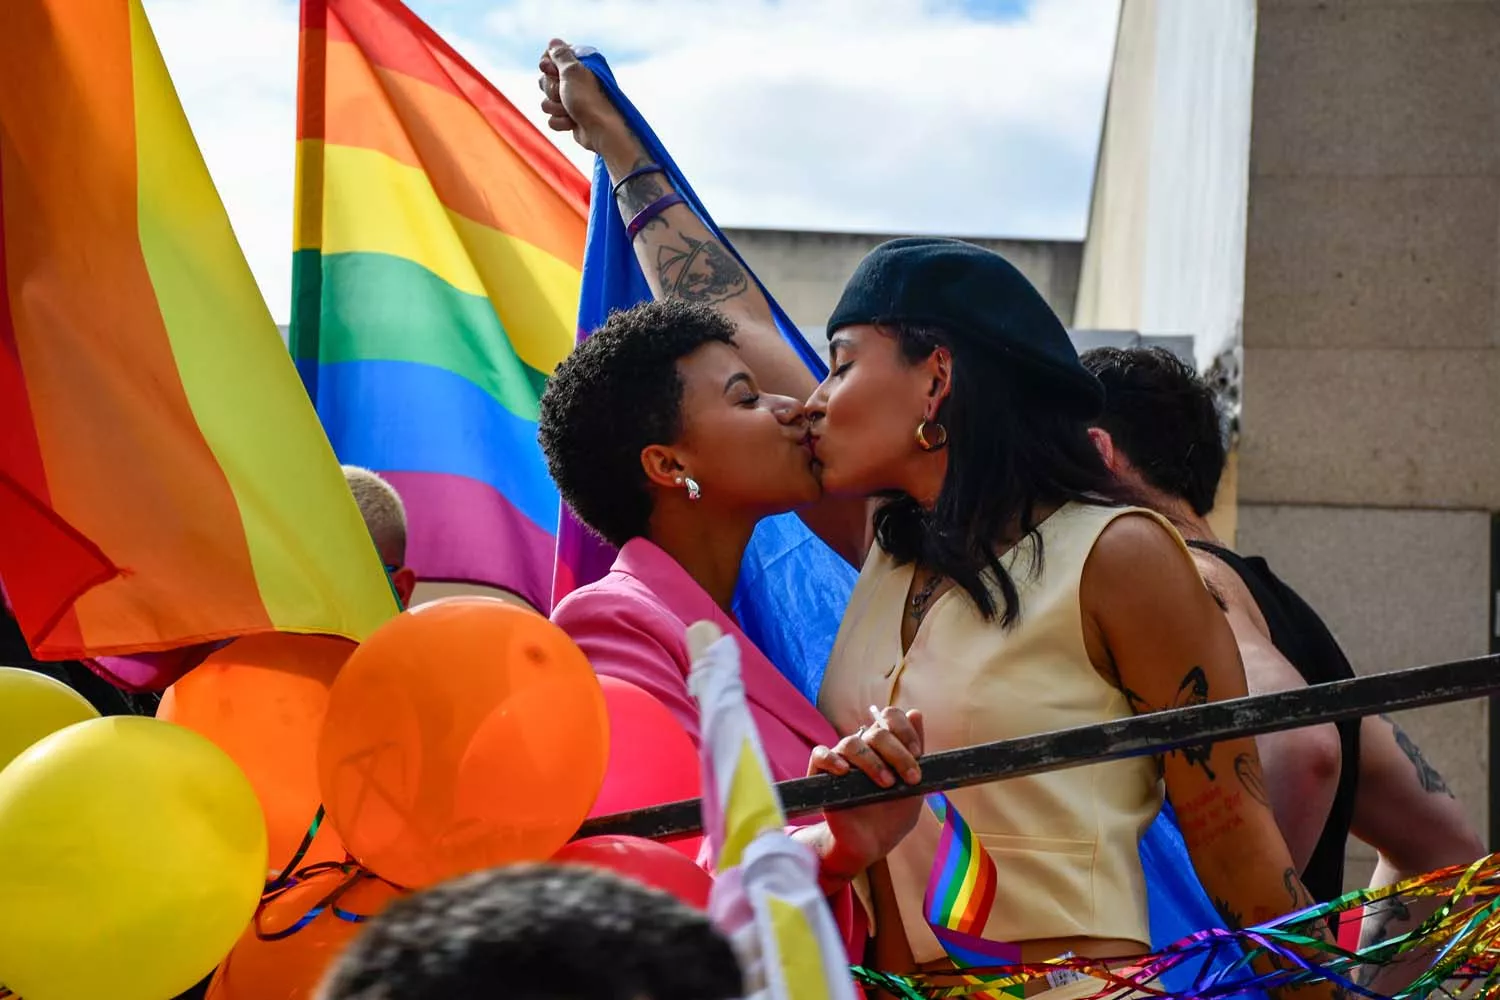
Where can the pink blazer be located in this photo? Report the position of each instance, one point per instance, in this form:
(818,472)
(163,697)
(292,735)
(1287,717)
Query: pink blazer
(632,625)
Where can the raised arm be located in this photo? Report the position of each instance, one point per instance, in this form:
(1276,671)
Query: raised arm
(1153,627)
(682,259)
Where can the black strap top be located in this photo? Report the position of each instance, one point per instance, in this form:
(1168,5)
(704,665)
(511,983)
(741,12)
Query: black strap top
(1301,636)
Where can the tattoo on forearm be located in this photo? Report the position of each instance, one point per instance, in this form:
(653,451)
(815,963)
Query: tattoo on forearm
(699,271)
(1428,775)
(1194,691)
(641,191)
(1296,891)
(1377,926)
(1230,915)
(1208,818)
(1377,929)
(1247,769)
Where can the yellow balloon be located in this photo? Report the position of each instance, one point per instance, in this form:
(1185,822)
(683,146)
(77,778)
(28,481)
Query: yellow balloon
(132,855)
(33,705)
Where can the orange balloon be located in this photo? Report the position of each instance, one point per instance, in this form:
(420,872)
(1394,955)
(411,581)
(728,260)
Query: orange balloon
(262,700)
(463,734)
(292,967)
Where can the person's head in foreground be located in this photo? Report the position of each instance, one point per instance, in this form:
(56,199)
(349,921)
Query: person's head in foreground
(1161,429)
(385,515)
(954,389)
(656,422)
(537,932)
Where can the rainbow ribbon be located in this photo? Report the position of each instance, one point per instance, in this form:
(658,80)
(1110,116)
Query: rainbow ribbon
(960,894)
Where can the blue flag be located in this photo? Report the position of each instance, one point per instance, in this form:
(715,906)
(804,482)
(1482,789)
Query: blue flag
(792,589)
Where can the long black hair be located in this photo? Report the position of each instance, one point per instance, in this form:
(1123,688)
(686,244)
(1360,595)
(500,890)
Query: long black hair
(1011,454)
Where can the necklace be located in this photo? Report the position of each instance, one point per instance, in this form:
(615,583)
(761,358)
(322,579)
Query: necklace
(920,599)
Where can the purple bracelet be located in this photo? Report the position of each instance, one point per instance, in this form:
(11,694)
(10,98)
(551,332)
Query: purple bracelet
(651,211)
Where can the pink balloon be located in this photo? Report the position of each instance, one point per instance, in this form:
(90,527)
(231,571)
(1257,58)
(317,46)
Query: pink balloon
(652,760)
(645,861)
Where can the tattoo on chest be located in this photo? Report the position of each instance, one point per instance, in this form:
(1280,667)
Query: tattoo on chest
(1428,775)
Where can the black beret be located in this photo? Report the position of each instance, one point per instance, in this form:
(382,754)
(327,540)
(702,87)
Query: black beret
(979,299)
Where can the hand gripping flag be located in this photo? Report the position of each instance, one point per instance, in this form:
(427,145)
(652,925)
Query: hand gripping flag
(766,897)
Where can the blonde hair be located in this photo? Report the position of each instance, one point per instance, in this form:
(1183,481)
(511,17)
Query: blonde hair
(384,513)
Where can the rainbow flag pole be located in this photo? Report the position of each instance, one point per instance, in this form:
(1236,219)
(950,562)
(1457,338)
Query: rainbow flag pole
(766,899)
(438,253)
(163,480)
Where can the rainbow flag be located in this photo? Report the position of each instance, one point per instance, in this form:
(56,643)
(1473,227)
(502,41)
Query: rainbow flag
(163,480)
(960,895)
(438,254)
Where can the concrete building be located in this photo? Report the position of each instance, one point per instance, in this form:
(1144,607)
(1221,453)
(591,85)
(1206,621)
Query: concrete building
(1361,189)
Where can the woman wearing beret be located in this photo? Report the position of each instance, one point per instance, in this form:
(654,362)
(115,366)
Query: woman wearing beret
(1006,589)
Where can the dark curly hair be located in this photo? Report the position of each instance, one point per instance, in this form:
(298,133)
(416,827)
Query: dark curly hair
(616,394)
(1165,418)
(537,933)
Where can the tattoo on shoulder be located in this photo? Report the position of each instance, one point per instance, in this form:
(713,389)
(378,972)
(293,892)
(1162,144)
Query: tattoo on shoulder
(1428,775)
(700,271)
(1194,691)
(1247,769)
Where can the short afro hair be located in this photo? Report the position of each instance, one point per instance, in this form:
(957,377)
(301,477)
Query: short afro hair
(537,932)
(616,394)
(1165,418)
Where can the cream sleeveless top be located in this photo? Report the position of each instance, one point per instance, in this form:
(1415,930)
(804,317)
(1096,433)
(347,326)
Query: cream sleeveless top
(1065,843)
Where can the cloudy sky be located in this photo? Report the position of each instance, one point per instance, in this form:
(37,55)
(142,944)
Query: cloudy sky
(962,117)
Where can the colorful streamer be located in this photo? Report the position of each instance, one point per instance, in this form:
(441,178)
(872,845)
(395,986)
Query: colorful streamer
(1464,931)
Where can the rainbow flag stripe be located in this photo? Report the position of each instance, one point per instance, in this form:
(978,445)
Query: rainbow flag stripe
(438,255)
(163,480)
(961,893)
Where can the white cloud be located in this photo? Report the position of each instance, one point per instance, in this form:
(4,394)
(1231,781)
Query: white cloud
(823,114)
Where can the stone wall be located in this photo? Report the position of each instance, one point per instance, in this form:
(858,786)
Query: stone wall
(1370,455)
(805,270)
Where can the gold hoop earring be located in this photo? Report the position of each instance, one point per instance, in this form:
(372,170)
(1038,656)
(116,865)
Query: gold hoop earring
(939,439)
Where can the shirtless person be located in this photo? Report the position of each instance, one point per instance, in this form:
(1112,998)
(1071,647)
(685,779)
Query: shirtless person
(1161,434)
